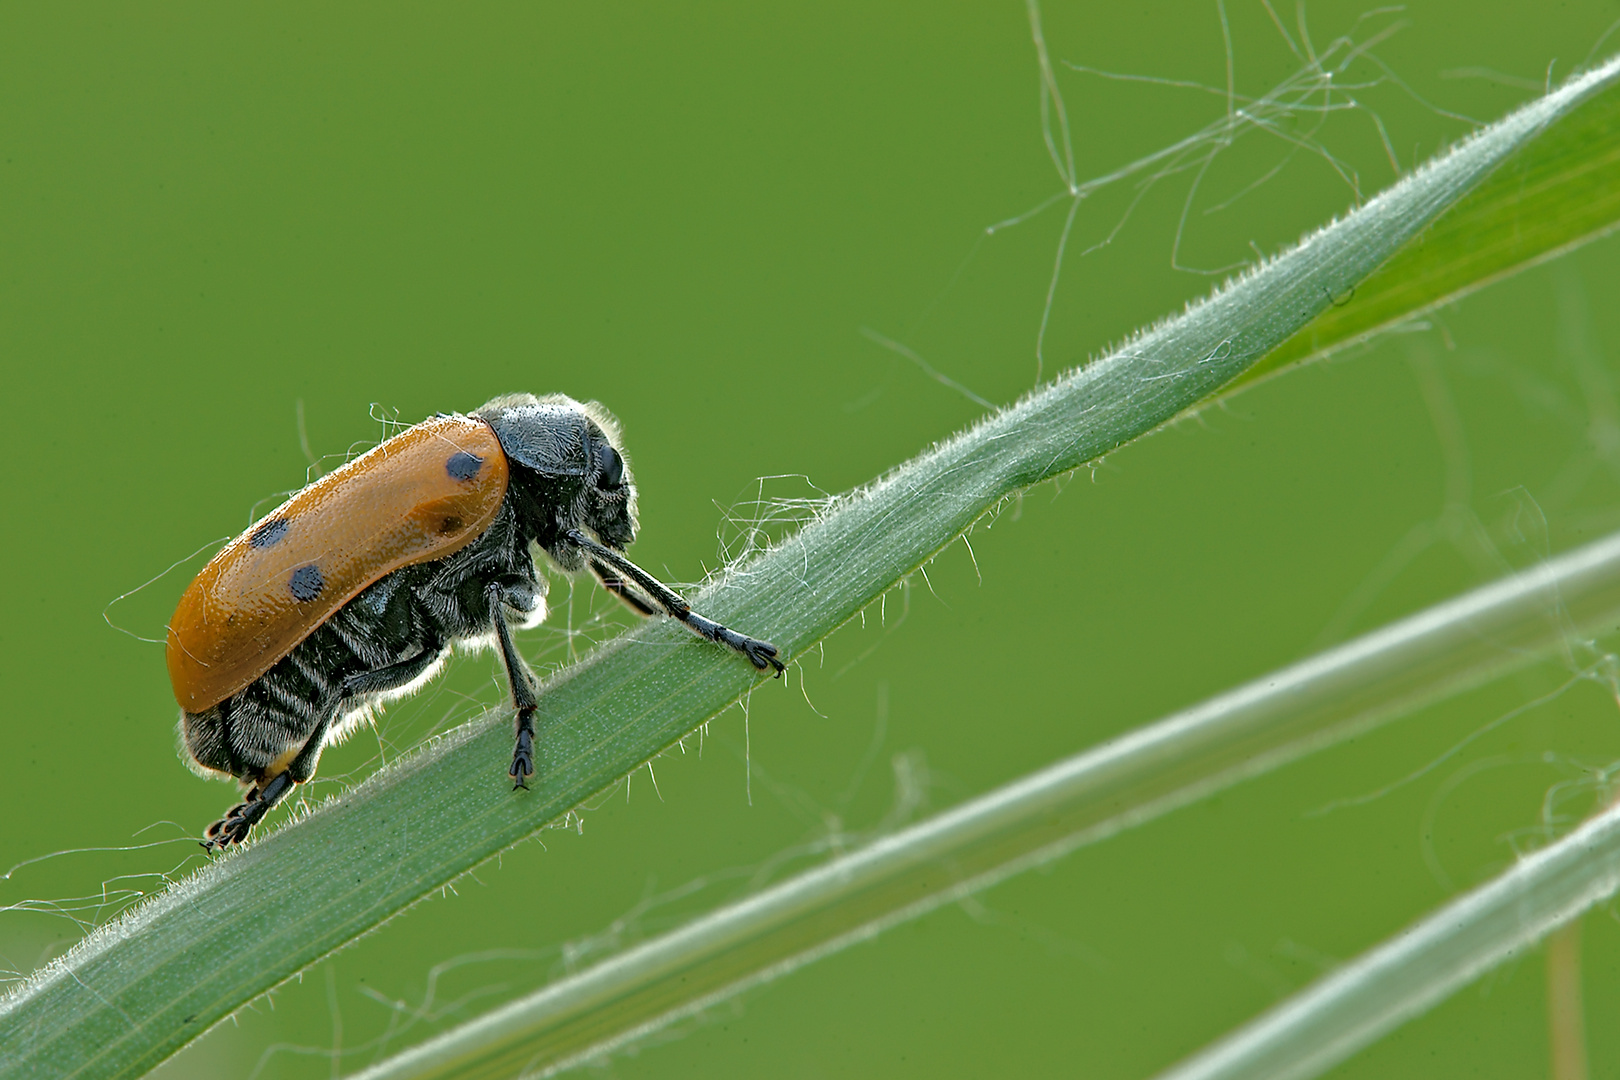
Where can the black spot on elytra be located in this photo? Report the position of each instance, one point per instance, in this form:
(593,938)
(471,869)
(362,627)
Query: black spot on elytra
(306,582)
(449,525)
(268,534)
(463,466)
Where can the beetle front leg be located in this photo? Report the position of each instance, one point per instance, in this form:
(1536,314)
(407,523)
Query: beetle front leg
(523,699)
(616,585)
(762,654)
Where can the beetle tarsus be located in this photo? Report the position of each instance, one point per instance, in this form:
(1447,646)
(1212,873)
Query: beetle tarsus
(239,820)
(523,756)
(762,654)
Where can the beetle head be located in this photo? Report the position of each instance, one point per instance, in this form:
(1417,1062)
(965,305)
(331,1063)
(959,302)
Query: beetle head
(567,470)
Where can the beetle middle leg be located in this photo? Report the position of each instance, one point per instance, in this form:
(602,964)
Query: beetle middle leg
(517,676)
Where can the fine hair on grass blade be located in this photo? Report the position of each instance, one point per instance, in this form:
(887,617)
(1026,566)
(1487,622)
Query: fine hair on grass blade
(1125,782)
(142,986)
(1423,964)
(1502,227)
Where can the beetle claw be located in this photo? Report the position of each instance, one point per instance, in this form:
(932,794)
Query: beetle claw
(763,654)
(522,761)
(230,829)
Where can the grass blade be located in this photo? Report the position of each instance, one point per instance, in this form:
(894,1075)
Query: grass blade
(1536,207)
(139,988)
(1123,783)
(1314,1030)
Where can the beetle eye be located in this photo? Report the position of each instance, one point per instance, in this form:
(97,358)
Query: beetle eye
(610,467)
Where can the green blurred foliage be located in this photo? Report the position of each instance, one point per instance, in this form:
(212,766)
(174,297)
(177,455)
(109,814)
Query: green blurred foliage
(220,219)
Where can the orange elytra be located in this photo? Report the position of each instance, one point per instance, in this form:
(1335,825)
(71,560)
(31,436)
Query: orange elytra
(421,495)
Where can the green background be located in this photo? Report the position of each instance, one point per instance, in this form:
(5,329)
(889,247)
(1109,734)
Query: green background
(217,218)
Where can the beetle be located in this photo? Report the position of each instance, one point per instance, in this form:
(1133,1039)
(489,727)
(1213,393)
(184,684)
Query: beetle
(356,589)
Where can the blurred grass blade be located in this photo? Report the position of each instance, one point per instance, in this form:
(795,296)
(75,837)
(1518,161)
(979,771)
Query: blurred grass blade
(1123,783)
(1536,207)
(1415,970)
(141,987)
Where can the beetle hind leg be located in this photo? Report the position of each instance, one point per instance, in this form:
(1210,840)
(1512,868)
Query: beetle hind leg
(240,819)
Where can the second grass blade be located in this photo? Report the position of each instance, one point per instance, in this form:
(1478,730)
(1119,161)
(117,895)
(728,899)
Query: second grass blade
(1123,783)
